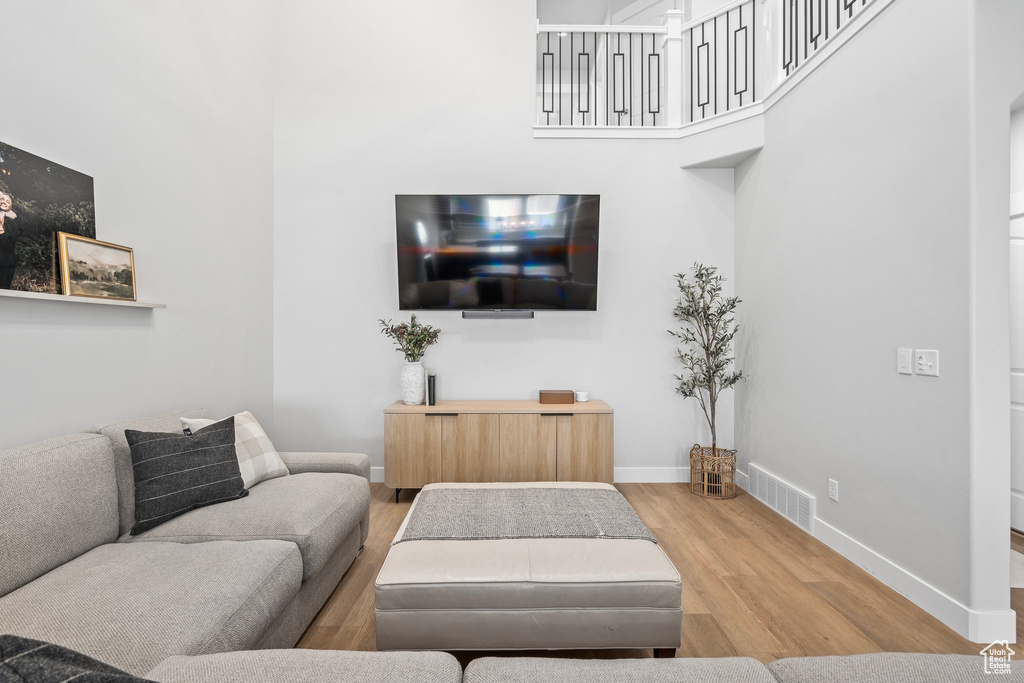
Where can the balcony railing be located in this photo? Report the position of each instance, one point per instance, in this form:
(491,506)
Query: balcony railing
(592,76)
(722,57)
(808,24)
(684,71)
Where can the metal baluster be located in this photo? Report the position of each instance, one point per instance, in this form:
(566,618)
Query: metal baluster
(572,52)
(714,48)
(728,94)
(753,54)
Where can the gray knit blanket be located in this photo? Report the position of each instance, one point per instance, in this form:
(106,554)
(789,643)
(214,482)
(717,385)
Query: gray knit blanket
(469,514)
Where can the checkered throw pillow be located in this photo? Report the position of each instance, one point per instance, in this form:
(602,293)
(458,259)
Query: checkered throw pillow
(257,458)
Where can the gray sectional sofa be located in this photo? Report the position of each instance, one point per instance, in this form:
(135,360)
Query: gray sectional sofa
(316,666)
(882,667)
(243,574)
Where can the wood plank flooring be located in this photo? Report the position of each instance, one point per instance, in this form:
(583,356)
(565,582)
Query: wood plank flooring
(1017,594)
(753,585)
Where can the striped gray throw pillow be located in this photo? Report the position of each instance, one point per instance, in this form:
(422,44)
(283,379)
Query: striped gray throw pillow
(35,661)
(175,473)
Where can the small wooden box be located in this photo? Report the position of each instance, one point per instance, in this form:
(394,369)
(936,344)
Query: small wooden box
(557,396)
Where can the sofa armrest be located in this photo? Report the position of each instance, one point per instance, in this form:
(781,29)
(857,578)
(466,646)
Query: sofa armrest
(346,463)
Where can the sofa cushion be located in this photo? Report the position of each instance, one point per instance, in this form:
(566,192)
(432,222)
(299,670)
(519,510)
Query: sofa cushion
(175,473)
(681,670)
(33,661)
(316,511)
(886,667)
(311,666)
(133,604)
(165,422)
(347,463)
(257,458)
(58,499)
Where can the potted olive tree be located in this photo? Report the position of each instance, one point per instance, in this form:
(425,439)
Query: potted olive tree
(706,330)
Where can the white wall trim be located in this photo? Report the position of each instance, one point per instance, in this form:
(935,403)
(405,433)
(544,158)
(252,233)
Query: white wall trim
(743,480)
(748,111)
(598,28)
(978,627)
(650,475)
(608,132)
(623,475)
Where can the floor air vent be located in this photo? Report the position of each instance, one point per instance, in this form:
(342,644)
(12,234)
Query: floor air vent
(794,505)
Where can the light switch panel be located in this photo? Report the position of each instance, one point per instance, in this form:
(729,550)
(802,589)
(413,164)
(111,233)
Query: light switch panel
(926,362)
(905,361)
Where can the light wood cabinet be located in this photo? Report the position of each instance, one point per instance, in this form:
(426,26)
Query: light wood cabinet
(469,447)
(412,450)
(585,448)
(529,448)
(477,441)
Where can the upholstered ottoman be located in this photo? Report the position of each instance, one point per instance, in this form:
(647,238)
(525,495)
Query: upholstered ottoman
(526,593)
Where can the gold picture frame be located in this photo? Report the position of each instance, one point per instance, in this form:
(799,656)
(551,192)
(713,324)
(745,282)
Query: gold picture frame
(95,269)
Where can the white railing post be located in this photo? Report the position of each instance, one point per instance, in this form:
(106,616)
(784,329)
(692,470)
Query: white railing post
(673,49)
(770,50)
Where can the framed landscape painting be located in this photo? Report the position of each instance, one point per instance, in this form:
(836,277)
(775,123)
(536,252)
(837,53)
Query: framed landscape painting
(97,269)
(38,199)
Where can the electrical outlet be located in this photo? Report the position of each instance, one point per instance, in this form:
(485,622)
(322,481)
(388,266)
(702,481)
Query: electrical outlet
(833,490)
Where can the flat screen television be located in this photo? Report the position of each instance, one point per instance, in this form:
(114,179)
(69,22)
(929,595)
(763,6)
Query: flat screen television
(491,252)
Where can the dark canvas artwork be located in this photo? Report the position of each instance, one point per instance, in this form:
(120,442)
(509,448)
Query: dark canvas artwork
(39,198)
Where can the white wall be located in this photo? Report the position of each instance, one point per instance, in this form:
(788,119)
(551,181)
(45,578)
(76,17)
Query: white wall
(1017,319)
(166,106)
(856,230)
(432,106)
(994,82)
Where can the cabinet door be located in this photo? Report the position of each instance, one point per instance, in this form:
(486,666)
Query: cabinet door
(412,450)
(528,447)
(470,447)
(586,450)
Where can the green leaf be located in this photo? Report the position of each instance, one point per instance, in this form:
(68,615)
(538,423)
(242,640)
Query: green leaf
(707,328)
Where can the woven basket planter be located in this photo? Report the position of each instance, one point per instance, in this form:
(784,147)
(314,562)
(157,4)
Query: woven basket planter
(712,473)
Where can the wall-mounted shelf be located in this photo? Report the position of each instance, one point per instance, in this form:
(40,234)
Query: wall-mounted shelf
(79,299)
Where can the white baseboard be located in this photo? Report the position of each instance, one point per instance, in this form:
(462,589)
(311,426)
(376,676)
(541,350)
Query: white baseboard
(649,475)
(632,475)
(978,627)
(743,480)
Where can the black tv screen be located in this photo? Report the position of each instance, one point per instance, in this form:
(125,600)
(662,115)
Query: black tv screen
(497,251)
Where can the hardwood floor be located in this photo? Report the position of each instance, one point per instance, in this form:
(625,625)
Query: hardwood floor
(753,585)
(1017,594)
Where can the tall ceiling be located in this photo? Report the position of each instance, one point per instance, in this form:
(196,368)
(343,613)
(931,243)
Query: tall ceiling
(575,11)
(647,12)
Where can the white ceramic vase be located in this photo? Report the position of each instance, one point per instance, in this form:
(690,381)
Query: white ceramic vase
(412,383)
